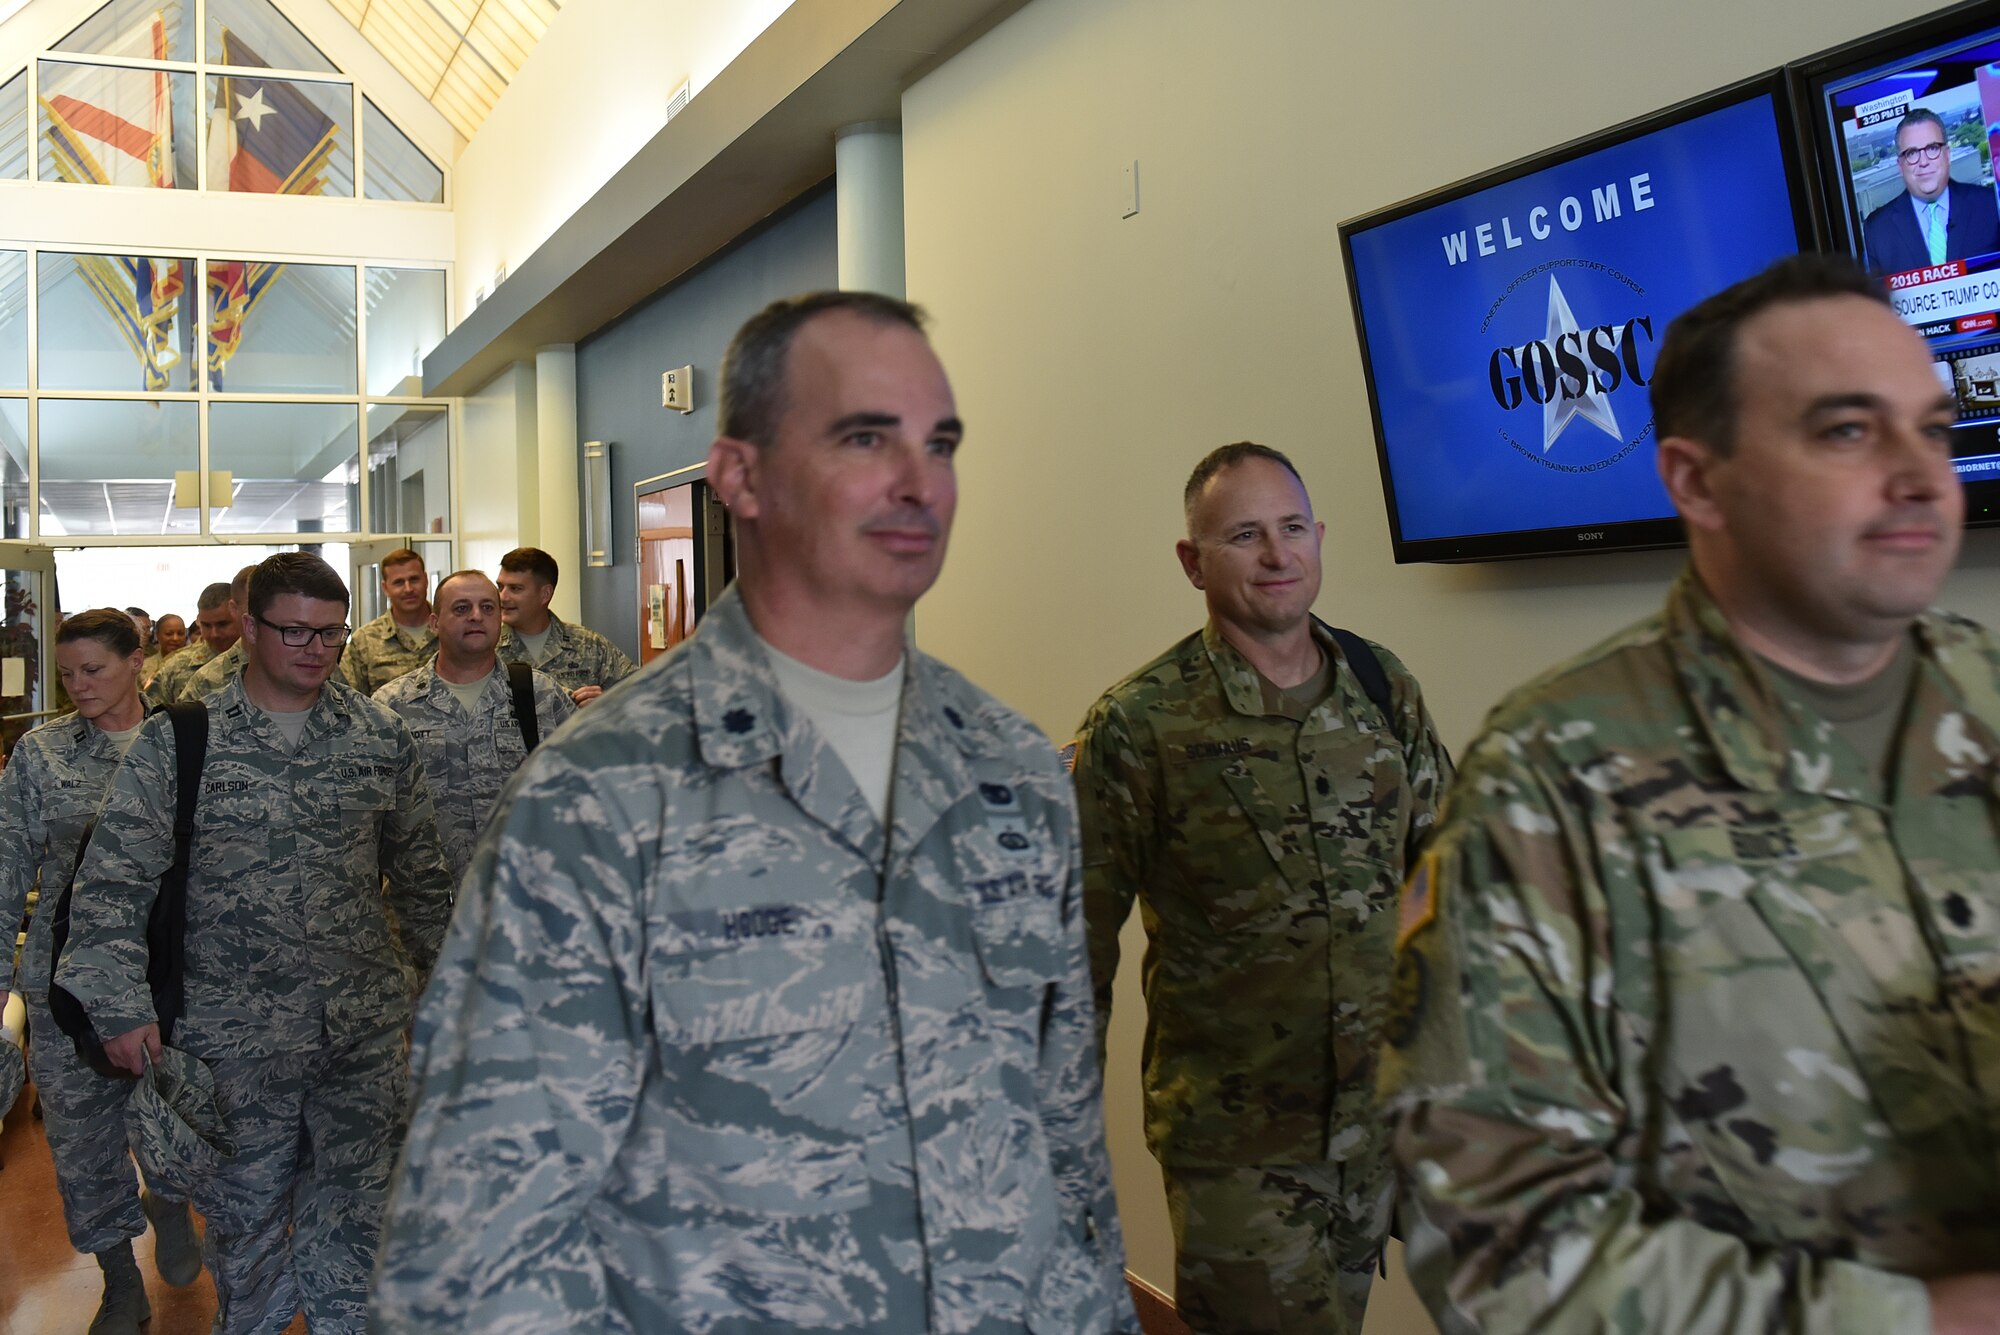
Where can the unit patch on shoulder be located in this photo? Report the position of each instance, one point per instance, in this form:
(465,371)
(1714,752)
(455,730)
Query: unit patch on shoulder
(1418,906)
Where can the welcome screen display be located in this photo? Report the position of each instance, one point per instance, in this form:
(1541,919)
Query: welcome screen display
(1511,332)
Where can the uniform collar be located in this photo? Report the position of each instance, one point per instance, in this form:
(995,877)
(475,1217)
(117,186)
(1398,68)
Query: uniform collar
(1243,686)
(742,719)
(1765,742)
(335,706)
(438,691)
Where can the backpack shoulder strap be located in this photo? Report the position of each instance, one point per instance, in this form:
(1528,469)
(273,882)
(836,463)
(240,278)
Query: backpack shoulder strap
(521,678)
(1367,669)
(190,720)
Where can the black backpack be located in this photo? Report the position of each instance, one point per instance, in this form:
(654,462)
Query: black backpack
(166,923)
(521,680)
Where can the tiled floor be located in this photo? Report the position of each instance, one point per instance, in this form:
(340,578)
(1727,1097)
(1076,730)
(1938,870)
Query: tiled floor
(46,1288)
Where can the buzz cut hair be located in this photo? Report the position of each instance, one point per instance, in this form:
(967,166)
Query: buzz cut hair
(239,587)
(401,556)
(532,561)
(438,596)
(1223,458)
(301,573)
(1694,389)
(212,597)
(753,398)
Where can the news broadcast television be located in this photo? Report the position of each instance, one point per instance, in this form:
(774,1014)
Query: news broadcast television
(1509,322)
(1856,97)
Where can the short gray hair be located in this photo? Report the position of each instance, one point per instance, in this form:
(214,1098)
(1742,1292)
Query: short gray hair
(753,370)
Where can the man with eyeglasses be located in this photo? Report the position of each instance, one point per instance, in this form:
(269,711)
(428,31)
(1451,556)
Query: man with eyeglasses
(1937,218)
(317,899)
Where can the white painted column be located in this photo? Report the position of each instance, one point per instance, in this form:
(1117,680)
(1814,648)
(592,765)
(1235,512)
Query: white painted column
(868,206)
(558,475)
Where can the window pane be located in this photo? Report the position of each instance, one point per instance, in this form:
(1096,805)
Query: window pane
(115,322)
(395,168)
(405,321)
(108,466)
(103,125)
(13,468)
(135,29)
(280,136)
(14,128)
(251,32)
(281,328)
(294,467)
(13,319)
(409,469)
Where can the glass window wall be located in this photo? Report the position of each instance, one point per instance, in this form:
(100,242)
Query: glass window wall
(116,322)
(292,467)
(112,125)
(281,328)
(109,468)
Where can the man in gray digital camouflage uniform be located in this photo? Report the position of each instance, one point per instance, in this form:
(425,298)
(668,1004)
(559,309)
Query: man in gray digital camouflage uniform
(402,639)
(226,666)
(460,708)
(1260,808)
(1698,991)
(316,900)
(216,627)
(583,662)
(766,1005)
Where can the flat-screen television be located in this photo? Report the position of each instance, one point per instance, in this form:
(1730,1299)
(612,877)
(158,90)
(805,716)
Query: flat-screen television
(1904,125)
(1508,323)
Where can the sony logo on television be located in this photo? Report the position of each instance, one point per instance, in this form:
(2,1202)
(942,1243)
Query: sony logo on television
(1606,203)
(1591,535)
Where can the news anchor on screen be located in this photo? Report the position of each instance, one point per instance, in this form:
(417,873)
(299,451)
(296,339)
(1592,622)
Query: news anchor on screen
(1937,219)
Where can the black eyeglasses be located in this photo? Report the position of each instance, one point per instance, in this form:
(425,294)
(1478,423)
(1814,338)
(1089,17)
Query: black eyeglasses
(1927,152)
(298,637)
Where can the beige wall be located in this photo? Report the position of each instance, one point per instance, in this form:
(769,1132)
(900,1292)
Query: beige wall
(593,93)
(1096,357)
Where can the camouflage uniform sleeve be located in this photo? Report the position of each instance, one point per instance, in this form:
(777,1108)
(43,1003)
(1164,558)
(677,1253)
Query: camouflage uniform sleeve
(412,859)
(1072,1105)
(529,1052)
(104,963)
(1425,759)
(552,704)
(353,670)
(1521,1139)
(21,838)
(1114,790)
(615,666)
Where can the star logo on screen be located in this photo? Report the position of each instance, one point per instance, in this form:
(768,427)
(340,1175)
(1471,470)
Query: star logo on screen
(1593,405)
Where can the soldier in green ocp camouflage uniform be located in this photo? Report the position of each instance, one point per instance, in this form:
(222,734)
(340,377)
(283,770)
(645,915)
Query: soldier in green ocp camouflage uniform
(49,793)
(766,1004)
(316,901)
(217,625)
(1245,790)
(460,708)
(582,662)
(401,639)
(1699,989)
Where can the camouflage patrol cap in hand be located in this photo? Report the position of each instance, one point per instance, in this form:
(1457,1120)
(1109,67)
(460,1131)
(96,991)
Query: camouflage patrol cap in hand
(174,1124)
(13,1075)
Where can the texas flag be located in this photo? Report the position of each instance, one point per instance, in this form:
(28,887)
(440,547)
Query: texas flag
(265,136)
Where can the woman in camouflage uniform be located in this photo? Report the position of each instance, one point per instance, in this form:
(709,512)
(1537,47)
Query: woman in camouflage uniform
(49,793)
